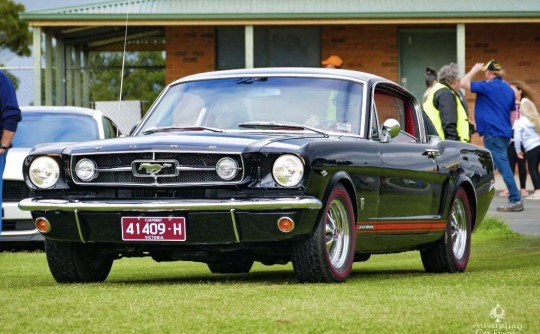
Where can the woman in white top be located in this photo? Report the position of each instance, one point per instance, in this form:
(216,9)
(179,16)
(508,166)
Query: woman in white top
(527,133)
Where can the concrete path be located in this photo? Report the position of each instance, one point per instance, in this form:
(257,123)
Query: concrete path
(526,221)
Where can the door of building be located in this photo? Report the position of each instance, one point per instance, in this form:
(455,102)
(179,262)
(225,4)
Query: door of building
(420,48)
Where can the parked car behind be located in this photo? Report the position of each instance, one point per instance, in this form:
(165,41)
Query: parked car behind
(43,124)
(318,167)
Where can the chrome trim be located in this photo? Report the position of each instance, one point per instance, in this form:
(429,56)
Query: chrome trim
(234,224)
(260,204)
(77,221)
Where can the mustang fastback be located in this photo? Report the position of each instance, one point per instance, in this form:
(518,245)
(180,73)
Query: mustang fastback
(318,167)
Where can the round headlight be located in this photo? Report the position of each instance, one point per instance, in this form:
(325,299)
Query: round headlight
(227,168)
(44,172)
(288,170)
(86,170)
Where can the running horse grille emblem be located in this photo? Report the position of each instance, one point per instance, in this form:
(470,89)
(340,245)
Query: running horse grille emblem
(153,168)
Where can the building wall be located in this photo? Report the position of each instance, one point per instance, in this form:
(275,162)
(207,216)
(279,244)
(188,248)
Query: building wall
(189,50)
(369,48)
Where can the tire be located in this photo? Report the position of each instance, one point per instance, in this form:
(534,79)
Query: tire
(328,254)
(451,253)
(230,265)
(76,263)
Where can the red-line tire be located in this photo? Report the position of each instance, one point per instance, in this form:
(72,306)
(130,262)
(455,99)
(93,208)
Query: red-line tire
(451,253)
(328,254)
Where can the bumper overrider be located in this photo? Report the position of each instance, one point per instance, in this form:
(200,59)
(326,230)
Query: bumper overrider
(216,221)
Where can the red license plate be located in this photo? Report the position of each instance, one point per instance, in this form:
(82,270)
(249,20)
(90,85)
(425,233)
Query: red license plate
(154,228)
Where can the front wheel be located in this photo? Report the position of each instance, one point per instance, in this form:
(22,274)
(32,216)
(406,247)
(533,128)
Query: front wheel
(451,252)
(76,263)
(328,254)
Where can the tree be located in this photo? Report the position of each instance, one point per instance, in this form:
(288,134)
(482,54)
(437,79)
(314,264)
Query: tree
(14,33)
(144,76)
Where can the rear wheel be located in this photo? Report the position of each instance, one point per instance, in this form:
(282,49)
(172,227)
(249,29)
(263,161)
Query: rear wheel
(451,252)
(328,254)
(76,263)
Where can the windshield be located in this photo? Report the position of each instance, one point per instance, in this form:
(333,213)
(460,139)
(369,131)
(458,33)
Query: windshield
(45,127)
(321,103)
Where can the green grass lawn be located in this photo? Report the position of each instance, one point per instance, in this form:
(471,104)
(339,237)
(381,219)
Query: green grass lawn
(387,294)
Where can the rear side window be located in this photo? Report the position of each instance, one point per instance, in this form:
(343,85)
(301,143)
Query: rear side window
(42,127)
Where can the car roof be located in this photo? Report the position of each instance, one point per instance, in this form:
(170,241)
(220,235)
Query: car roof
(288,71)
(62,110)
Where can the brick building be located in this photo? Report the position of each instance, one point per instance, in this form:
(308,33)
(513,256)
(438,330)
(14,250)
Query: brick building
(394,39)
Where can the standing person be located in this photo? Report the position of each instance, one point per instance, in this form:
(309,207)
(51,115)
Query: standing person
(10,116)
(431,80)
(495,101)
(444,106)
(527,134)
(512,155)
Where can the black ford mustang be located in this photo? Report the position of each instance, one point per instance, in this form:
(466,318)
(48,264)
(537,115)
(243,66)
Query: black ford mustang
(315,166)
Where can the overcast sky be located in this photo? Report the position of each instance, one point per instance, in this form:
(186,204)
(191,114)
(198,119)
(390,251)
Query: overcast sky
(48,4)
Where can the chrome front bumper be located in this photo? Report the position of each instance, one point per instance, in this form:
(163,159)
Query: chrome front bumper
(256,204)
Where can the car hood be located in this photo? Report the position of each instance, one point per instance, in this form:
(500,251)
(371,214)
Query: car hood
(186,141)
(14,162)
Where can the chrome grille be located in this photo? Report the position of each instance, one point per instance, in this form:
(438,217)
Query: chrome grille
(194,168)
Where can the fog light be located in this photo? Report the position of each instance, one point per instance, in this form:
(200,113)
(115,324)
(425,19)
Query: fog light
(285,224)
(42,225)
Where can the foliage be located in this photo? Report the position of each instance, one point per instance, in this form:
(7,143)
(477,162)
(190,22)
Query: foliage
(14,33)
(387,294)
(144,76)
(13,78)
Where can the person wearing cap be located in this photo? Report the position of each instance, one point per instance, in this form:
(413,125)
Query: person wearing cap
(495,102)
(332,62)
(444,106)
(431,80)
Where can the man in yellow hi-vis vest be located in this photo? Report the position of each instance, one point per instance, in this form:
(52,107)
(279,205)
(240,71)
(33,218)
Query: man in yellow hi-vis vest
(445,108)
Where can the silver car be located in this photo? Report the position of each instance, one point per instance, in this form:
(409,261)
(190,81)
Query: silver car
(43,124)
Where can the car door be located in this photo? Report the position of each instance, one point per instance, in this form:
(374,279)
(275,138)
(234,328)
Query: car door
(411,184)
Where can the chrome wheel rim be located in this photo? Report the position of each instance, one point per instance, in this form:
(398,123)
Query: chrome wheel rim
(337,233)
(458,229)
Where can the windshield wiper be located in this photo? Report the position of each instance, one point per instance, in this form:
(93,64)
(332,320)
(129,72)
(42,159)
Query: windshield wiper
(281,126)
(181,128)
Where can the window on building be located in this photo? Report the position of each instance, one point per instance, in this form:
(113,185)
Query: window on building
(273,47)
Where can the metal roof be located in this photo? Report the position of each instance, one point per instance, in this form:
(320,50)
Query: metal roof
(158,10)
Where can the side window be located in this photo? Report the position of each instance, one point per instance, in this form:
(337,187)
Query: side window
(109,128)
(390,105)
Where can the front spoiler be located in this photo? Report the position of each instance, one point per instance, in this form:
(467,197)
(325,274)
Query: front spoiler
(256,204)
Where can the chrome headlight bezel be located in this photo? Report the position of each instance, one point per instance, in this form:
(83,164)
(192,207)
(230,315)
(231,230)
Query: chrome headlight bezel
(86,170)
(288,170)
(44,172)
(227,168)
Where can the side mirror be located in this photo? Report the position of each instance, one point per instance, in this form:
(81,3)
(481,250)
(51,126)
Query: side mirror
(390,129)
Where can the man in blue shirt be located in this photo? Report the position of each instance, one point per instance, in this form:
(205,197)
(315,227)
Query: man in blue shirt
(10,116)
(495,101)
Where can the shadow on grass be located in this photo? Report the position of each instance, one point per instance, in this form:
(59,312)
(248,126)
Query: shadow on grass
(282,277)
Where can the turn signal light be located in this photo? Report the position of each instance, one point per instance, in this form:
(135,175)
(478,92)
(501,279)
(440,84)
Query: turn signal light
(42,225)
(285,224)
